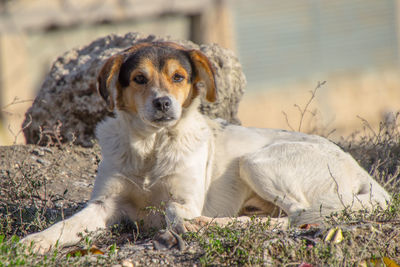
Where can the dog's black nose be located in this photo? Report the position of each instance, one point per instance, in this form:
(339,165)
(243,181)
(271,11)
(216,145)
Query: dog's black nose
(162,103)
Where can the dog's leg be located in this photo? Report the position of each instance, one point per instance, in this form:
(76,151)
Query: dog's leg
(309,180)
(98,214)
(177,213)
(258,171)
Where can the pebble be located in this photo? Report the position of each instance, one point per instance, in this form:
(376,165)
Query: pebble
(127,263)
(47,149)
(43,162)
(81,184)
(191,251)
(38,152)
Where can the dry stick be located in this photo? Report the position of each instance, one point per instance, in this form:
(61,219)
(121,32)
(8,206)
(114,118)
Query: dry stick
(367,245)
(14,102)
(368,126)
(305,109)
(287,121)
(20,131)
(337,187)
(393,179)
(54,132)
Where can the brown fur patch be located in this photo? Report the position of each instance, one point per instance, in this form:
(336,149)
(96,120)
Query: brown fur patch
(180,90)
(205,73)
(127,97)
(107,73)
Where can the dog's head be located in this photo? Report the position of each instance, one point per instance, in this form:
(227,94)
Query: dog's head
(156,81)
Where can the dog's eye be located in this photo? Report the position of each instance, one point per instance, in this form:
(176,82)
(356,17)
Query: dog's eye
(177,78)
(140,79)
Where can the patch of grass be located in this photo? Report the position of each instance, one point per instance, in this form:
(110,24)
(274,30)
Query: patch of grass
(365,236)
(13,253)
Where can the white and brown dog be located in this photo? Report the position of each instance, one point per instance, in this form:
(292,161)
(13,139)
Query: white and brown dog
(159,151)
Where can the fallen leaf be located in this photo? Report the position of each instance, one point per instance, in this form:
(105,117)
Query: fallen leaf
(308,226)
(380,262)
(330,234)
(338,236)
(334,235)
(389,262)
(83,252)
(305,265)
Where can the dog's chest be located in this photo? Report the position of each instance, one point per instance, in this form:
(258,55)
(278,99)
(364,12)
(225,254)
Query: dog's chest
(164,159)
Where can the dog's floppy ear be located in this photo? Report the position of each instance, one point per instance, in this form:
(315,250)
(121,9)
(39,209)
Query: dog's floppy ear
(204,72)
(107,76)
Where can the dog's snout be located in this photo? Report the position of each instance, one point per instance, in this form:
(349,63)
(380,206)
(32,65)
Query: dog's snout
(162,103)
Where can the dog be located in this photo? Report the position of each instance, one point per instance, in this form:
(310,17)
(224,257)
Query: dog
(159,151)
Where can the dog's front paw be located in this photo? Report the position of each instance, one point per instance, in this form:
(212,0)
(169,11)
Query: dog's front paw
(38,243)
(166,239)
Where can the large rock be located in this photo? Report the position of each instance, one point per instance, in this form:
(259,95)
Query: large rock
(67,108)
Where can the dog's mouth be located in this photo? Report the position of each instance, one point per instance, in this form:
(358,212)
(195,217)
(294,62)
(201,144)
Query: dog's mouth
(164,119)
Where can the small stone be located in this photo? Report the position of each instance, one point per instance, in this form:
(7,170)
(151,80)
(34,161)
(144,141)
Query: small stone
(127,263)
(191,251)
(43,162)
(47,149)
(38,152)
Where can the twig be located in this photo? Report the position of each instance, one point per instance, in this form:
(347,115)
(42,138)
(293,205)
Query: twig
(287,121)
(15,102)
(305,109)
(337,188)
(20,130)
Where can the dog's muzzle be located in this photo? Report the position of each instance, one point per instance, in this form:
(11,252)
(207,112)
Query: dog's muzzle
(163,107)
(162,103)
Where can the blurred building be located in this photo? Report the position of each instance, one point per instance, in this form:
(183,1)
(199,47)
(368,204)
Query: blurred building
(285,47)
(306,38)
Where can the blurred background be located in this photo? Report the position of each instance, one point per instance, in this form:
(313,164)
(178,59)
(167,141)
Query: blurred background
(286,47)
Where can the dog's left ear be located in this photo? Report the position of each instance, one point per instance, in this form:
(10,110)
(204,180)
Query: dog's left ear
(204,72)
(107,76)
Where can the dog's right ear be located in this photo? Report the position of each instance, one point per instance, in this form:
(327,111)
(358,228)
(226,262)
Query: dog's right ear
(106,79)
(204,72)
